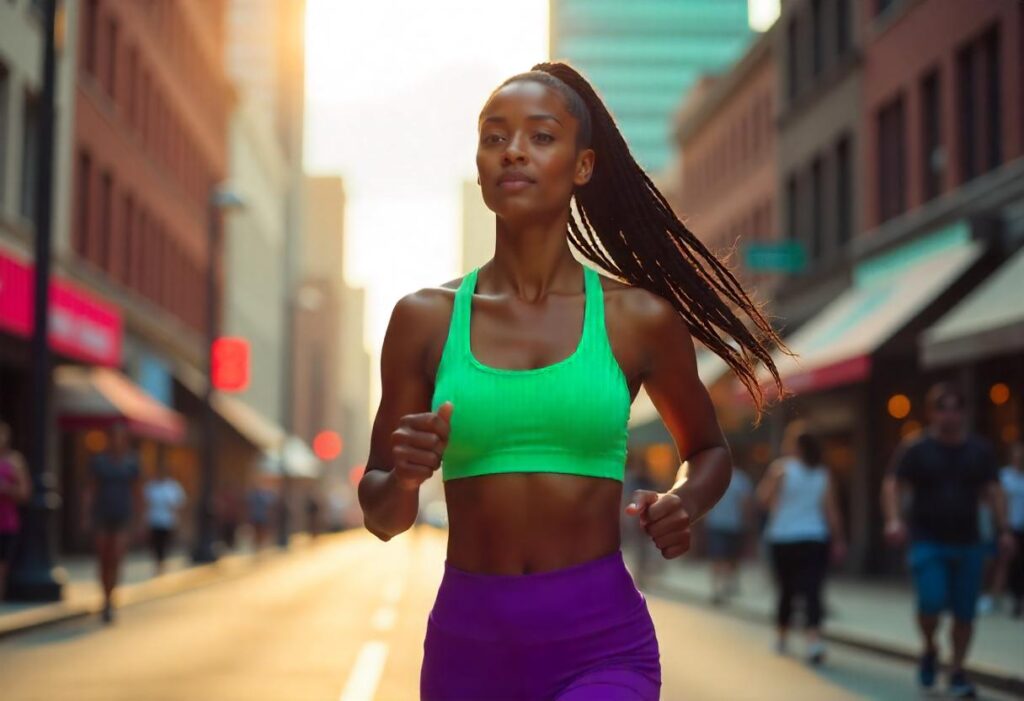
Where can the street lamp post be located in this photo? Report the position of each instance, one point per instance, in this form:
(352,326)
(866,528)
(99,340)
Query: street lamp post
(220,202)
(31,577)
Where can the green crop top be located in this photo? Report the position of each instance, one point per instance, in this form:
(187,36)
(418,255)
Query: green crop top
(569,417)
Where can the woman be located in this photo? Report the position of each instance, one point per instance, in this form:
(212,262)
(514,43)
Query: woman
(803,517)
(14,489)
(113,500)
(164,500)
(529,410)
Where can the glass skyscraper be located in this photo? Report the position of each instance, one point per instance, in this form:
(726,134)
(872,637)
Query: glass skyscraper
(643,55)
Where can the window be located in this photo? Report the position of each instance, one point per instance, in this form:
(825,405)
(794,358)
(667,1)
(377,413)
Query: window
(817,30)
(792,58)
(131,86)
(891,160)
(30,156)
(83,208)
(124,257)
(932,156)
(842,27)
(844,193)
(816,247)
(5,90)
(792,210)
(980,98)
(111,76)
(89,28)
(105,233)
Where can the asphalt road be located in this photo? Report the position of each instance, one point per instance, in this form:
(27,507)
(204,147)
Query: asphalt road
(344,621)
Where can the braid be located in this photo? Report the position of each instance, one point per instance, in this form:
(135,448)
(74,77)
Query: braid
(627,227)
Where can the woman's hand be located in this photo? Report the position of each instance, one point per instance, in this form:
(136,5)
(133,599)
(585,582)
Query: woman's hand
(418,444)
(664,518)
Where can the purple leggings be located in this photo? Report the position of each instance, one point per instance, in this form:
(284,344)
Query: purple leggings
(581,633)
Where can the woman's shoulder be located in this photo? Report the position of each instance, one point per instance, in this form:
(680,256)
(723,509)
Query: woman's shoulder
(641,306)
(425,307)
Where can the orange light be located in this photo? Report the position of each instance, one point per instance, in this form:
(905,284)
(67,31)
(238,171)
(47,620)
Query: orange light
(327,445)
(95,441)
(999,393)
(899,406)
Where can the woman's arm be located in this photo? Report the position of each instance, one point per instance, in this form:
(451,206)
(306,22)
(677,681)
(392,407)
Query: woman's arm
(671,381)
(405,434)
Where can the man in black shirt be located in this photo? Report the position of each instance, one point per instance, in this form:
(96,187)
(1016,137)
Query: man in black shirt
(945,472)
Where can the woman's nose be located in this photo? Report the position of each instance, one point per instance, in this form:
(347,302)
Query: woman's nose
(513,151)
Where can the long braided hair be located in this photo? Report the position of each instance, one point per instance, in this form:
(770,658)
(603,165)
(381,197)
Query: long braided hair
(626,227)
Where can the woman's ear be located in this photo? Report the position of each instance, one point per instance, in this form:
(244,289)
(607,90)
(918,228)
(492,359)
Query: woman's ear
(478,180)
(584,167)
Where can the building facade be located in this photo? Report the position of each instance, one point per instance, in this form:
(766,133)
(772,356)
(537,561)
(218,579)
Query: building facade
(642,55)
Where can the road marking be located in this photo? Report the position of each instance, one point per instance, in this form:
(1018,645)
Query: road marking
(384,619)
(366,672)
(393,591)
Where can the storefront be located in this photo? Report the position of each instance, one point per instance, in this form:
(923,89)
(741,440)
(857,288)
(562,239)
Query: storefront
(856,378)
(982,341)
(82,329)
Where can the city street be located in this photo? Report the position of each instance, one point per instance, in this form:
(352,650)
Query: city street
(344,620)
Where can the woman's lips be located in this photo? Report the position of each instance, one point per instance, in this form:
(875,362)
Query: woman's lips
(514,185)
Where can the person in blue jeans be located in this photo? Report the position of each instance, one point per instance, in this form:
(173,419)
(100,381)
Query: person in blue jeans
(945,473)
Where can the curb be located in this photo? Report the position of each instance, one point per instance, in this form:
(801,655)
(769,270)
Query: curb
(985,675)
(182,580)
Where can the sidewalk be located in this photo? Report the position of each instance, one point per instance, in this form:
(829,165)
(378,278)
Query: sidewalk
(873,616)
(84,597)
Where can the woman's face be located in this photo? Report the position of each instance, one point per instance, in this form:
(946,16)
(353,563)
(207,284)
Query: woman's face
(527,157)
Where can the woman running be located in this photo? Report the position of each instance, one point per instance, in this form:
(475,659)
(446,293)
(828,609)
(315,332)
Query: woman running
(521,375)
(803,521)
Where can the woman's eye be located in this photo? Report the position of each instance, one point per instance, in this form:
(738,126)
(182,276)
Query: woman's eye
(545,138)
(491,139)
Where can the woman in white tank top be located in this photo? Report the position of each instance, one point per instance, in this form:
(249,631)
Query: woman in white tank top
(803,521)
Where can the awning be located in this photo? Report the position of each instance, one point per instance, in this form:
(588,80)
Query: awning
(98,397)
(253,426)
(989,321)
(710,369)
(835,347)
(295,456)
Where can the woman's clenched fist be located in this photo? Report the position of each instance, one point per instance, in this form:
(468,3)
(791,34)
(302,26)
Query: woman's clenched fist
(418,444)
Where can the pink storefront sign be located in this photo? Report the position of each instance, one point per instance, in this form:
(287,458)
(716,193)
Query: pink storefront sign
(81,326)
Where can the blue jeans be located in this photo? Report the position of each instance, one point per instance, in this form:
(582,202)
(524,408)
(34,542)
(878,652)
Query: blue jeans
(947,577)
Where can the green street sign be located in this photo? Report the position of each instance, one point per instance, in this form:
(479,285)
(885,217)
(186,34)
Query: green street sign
(775,257)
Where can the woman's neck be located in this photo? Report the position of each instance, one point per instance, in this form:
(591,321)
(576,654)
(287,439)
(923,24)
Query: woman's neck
(531,260)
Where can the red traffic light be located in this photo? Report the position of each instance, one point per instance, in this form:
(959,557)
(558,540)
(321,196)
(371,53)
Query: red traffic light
(229,364)
(327,445)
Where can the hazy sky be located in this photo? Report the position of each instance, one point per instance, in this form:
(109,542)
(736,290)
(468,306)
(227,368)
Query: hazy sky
(393,91)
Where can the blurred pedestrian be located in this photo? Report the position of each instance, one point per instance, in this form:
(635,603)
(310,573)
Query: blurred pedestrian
(164,500)
(804,524)
(15,488)
(536,601)
(260,503)
(313,514)
(945,473)
(727,527)
(228,507)
(113,508)
(1012,479)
